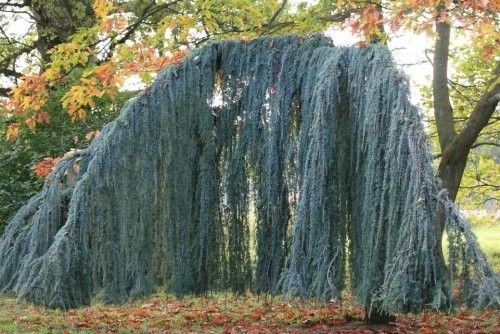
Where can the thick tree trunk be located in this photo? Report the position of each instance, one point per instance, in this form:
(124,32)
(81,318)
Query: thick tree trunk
(57,20)
(455,147)
(454,155)
(443,114)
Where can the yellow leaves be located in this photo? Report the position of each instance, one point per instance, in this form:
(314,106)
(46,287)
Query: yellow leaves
(485,28)
(81,97)
(94,84)
(27,99)
(52,74)
(29,95)
(184,25)
(66,56)
(487,37)
(102,8)
(13,131)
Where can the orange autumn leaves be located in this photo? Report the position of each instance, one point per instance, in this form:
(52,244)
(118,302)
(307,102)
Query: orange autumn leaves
(247,314)
(30,96)
(102,8)
(477,17)
(98,78)
(367,24)
(44,167)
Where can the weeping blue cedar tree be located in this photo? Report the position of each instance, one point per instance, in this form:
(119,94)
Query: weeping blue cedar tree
(312,150)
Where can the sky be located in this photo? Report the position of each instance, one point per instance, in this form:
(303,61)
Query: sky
(408,50)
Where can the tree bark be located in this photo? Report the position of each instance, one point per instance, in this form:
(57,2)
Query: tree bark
(455,147)
(57,20)
(454,156)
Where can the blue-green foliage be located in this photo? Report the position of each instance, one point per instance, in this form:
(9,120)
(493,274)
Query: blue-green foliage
(313,151)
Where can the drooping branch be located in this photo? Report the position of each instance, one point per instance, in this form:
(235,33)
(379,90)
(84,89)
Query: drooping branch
(310,140)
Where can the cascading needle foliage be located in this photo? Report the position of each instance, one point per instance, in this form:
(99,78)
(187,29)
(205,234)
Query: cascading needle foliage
(280,165)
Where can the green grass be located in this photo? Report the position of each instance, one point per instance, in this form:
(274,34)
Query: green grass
(489,239)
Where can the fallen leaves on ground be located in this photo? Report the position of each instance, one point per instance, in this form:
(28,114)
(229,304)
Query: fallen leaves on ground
(231,315)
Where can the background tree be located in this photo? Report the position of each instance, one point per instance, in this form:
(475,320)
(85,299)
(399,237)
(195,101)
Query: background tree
(463,104)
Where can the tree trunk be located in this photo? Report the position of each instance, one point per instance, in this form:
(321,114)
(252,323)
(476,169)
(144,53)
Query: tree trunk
(454,155)
(376,317)
(57,20)
(455,147)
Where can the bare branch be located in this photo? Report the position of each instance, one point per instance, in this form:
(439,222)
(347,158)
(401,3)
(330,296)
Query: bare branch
(9,3)
(4,92)
(10,73)
(275,16)
(150,10)
(28,48)
(486,144)
(340,17)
